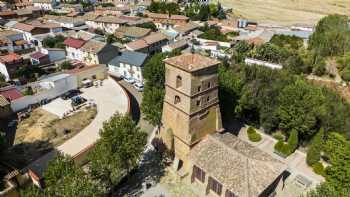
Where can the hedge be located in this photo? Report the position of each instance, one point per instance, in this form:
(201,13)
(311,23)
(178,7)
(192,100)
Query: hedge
(282,148)
(318,168)
(278,136)
(253,135)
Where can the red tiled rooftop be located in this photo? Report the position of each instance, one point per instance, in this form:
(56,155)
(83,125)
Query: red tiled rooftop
(10,93)
(24,27)
(191,62)
(10,58)
(74,43)
(37,55)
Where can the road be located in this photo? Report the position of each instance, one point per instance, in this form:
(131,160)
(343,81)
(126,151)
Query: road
(136,99)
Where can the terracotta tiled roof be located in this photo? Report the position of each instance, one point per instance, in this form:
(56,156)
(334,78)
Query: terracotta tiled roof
(93,46)
(240,167)
(137,44)
(74,43)
(146,41)
(7,13)
(135,32)
(37,55)
(191,62)
(23,27)
(82,68)
(110,19)
(10,93)
(3,101)
(10,58)
(186,28)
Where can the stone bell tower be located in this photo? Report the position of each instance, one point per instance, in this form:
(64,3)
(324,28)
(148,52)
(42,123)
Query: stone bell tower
(191,104)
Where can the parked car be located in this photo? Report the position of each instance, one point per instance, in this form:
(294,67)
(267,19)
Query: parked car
(129,80)
(70,94)
(138,86)
(77,100)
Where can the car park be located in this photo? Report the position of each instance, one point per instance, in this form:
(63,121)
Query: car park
(129,80)
(70,94)
(138,86)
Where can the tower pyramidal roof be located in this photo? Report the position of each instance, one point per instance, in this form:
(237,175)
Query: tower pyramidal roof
(191,62)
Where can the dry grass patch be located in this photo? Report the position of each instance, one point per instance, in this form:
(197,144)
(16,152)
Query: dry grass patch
(287,12)
(43,131)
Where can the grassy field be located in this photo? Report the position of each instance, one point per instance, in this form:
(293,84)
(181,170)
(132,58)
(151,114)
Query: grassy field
(287,12)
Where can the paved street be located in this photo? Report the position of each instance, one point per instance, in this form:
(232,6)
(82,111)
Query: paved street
(136,99)
(110,98)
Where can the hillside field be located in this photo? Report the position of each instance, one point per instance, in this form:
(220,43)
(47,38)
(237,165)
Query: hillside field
(287,12)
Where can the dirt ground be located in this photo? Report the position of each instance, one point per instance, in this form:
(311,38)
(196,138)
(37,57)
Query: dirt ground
(43,131)
(287,12)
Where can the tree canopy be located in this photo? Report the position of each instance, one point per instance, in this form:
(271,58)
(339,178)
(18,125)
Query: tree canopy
(118,150)
(54,42)
(63,178)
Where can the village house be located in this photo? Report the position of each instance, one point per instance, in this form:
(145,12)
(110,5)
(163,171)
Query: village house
(129,64)
(184,30)
(149,44)
(108,24)
(13,41)
(29,13)
(46,4)
(73,48)
(178,45)
(211,161)
(10,93)
(29,30)
(9,64)
(54,54)
(39,58)
(67,22)
(21,4)
(164,21)
(131,33)
(96,52)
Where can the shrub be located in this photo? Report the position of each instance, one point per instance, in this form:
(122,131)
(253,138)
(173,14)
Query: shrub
(314,151)
(318,168)
(253,135)
(251,130)
(66,65)
(282,148)
(278,136)
(293,140)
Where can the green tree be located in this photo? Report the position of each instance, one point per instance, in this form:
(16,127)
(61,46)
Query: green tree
(54,42)
(152,104)
(327,190)
(204,13)
(270,52)
(300,107)
(314,150)
(331,36)
(337,150)
(63,178)
(66,65)
(118,150)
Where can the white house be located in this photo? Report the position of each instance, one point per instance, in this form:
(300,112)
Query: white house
(73,48)
(108,24)
(96,52)
(46,4)
(129,65)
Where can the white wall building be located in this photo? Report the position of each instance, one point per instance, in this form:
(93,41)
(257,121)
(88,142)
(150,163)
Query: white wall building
(45,4)
(129,65)
(250,61)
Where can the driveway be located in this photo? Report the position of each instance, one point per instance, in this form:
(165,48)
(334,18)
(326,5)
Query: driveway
(110,98)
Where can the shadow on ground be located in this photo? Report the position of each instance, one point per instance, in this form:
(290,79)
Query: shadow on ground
(149,173)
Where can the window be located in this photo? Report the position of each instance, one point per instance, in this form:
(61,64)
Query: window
(198,102)
(177,100)
(198,173)
(178,81)
(208,84)
(208,98)
(228,193)
(199,88)
(214,185)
